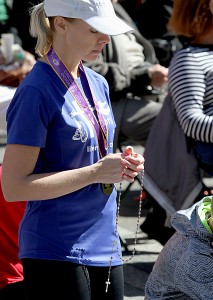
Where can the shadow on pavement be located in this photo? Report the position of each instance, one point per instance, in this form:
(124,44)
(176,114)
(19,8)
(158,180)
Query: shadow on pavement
(135,276)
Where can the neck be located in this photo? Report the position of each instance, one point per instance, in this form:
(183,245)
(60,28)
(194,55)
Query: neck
(69,60)
(73,68)
(75,72)
(206,39)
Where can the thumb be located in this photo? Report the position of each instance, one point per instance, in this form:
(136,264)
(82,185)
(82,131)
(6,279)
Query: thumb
(128,151)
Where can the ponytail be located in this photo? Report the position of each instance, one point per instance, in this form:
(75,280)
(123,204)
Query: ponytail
(40,29)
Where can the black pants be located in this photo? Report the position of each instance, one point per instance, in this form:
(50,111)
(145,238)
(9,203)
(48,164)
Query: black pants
(48,279)
(13,291)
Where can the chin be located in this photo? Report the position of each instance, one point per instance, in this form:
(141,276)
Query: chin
(90,58)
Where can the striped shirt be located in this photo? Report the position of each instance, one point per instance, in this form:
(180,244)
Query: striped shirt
(191,88)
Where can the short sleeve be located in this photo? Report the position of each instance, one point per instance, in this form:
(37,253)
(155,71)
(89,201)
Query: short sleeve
(28,118)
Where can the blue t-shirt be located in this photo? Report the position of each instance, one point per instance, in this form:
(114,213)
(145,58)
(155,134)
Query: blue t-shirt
(78,227)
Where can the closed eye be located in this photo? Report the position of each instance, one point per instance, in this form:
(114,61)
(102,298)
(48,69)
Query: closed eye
(93,30)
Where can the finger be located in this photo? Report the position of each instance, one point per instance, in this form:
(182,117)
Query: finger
(123,173)
(129,173)
(135,159)
(128,150)
(139,156)
(135,167)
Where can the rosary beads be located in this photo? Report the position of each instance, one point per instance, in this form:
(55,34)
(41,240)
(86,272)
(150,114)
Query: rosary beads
(114,245)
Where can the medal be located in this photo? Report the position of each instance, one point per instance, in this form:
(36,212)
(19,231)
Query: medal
(107,188)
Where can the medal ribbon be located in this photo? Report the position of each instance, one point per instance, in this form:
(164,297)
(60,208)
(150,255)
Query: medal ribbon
(68,80)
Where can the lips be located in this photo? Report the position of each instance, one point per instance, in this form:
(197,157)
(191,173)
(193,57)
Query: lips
(97,51)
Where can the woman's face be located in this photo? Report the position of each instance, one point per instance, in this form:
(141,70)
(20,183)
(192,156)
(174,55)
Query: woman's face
(84,41)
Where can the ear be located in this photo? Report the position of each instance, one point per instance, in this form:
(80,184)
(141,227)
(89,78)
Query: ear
(60,24)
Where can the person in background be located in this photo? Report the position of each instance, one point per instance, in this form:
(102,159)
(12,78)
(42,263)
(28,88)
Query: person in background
(13,73)
(190,90)
(151,18)
(11,270)
(182,269)
(137,87)
(190,76)
(129,64)
(6,24)
(58,157)
(15,68)
(20,19)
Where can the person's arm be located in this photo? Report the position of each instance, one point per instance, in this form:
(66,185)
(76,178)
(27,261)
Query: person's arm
(136,81)
(19,183)
(187,85)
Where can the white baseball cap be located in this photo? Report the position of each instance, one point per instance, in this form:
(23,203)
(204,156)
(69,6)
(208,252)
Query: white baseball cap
(99,14)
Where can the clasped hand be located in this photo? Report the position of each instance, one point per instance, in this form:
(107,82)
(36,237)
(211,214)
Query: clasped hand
(118,167)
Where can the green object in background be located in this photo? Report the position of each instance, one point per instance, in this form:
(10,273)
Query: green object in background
(3,11)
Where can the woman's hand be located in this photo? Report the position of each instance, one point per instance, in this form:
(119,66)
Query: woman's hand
(118,167)
(133,163)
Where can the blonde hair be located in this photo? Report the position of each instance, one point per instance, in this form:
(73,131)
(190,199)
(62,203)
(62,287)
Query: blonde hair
(41,28)
(190,17)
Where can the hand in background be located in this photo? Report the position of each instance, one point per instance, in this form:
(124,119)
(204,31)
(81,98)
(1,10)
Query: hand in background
(159,76)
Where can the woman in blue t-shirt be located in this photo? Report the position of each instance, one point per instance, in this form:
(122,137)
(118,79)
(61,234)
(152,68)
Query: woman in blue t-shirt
(60,130)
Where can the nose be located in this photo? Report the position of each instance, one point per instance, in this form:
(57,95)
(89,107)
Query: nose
(104,39)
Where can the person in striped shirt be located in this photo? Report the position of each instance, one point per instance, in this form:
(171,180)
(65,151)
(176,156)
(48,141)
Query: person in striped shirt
(190,79)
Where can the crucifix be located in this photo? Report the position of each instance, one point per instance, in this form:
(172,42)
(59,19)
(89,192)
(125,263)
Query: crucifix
(107,284)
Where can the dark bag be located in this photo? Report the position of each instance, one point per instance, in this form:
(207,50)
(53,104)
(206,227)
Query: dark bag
(204,153)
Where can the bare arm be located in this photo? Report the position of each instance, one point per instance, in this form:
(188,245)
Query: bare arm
(19,182)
